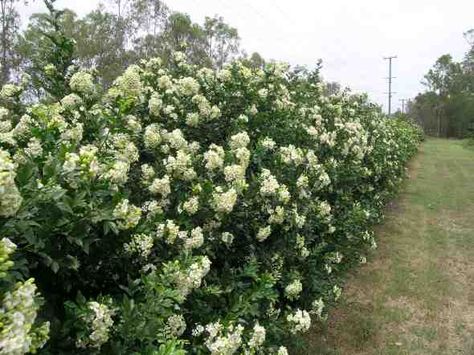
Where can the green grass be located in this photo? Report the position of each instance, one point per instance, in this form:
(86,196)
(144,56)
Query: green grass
(416,293)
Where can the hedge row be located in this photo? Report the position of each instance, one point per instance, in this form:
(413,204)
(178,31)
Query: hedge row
(186,210)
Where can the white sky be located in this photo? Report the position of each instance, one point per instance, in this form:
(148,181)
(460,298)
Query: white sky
(350,36)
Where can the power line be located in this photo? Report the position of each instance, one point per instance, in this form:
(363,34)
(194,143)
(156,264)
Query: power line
(390,77)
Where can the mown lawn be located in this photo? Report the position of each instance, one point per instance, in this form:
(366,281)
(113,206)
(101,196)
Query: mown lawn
(416,293)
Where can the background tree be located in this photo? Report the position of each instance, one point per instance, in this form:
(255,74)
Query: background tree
(222,40)
(10,21)
(47,51)
(447,107)
(99,47)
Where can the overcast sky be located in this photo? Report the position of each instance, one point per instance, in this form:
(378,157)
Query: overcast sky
(350,36)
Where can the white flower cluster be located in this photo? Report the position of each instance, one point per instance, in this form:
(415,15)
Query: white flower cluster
(10,90)
(82,82)
(214,157)
(161,186)
(175,326)
(292,155)
(141,244)
(190,279)
(299,322)
(129,84)
(191,206)
(10,198)
(318,308)
(17,315)
(18,311)
(264,233)
(258,337)
(126,214)
(293,289)
(99,321)
(224,201)
(223,340)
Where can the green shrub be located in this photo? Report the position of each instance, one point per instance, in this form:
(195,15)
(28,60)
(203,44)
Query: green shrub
(194,210)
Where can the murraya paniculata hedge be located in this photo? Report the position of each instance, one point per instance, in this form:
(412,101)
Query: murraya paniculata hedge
(184,209)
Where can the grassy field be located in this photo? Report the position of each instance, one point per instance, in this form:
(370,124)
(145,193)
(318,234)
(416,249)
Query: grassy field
(416,293)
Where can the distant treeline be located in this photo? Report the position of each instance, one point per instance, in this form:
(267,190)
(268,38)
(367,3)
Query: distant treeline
(116,35)
(446,109)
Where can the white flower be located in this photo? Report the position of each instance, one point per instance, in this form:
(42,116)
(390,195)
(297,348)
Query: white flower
(196,240)
(277,216)
(269,184)
(268,143)
(318,307)
(3,113)
(300,321)
(234,172)
(192,119)
(118,173)
(70,162)
(214,157)
(155,104)
(188,86)
(147,172)
(140,244)
(293,289)
(176,139)
(34,148)
(10,197)
(170,230)
(100,321)
(243,156)
(191,206)
(253,110)
(224,201)
(291,155)
(130,83)
(71,101)
(175,326)
(19,312)
(126,214)
(7,245)
(133,124)
(74,133)
(152,137)
(220,342)
(165,82)
(82,82)
(258,336)
(161,186)
(239,140)
(10,90)
(264,233)
(227,238)
(179,56)
(282,351)
(198,330)
(192,278)
(263,93)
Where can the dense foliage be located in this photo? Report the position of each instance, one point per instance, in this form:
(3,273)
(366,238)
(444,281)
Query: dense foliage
(187,209)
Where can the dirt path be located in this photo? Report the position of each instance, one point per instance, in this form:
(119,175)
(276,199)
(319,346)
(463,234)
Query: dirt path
(416,293)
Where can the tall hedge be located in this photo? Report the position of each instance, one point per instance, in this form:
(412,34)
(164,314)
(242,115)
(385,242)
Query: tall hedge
(188,210)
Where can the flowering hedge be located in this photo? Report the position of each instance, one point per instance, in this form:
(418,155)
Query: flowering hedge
(190,210)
